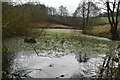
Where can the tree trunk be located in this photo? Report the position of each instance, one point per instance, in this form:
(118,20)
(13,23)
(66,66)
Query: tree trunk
(83,15)
(114,33)
(113,22)
(88,12)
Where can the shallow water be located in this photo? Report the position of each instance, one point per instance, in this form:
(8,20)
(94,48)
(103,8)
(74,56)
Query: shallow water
(57,65)
(61,55)
(74,31)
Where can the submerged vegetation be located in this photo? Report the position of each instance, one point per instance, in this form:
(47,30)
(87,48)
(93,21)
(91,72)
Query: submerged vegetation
(72,41)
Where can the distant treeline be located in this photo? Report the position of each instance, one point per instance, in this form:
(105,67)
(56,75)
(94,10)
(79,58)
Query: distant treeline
(39,13)
(34,13)
(17,19)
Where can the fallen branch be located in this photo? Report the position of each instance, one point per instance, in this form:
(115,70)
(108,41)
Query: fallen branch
(34,49)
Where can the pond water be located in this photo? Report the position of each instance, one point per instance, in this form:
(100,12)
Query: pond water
(57,64)
(61,53)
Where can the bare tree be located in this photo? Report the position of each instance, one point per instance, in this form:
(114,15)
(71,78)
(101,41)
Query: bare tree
(63,11)
(113,18)
(86,10)
(52,11)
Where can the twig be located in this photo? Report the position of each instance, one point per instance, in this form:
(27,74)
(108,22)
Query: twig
(35,50)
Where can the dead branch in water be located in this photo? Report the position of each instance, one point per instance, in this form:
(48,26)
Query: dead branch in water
(34,49)
(108,68)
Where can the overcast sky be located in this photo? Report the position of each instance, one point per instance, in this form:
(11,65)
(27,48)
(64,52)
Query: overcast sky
(70,4)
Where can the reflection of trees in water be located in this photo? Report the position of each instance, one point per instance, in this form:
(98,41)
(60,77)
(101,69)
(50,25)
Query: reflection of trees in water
(109,69)
(81,57)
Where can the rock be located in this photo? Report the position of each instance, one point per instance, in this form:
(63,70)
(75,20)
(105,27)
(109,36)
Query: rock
(50,65)
(30,40)
(57,77)
(62,75)
(81,57)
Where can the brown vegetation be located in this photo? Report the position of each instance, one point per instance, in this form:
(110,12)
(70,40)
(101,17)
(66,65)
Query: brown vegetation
(101,30)
(53,26)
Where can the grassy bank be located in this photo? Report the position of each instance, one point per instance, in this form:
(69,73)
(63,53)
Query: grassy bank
(102,31)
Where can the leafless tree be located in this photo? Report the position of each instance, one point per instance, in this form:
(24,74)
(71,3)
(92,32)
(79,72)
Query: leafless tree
(113,18)
(52,11)
(63,11)
(86,10)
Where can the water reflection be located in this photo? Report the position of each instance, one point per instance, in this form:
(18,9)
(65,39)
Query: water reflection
(82,57)
(27,64)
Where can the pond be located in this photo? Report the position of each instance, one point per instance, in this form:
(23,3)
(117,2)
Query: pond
(57,64)
(58,53)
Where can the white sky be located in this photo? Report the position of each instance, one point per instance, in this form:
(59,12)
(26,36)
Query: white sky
(70,4)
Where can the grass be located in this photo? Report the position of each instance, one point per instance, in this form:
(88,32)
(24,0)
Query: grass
(102,31)
(66,41)
(105,19)
(63,42)
(71,42)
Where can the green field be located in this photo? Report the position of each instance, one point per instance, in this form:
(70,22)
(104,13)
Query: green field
(105,19)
